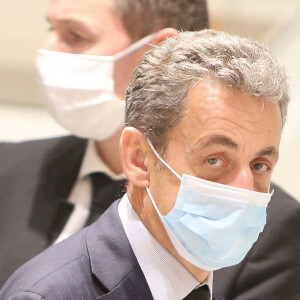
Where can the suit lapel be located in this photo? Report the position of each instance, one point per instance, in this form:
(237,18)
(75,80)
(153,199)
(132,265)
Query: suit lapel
(113,261)
(56,178)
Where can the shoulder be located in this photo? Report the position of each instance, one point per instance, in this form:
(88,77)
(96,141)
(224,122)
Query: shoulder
(33,147)
(66,263)
(32,154)
(280,238)
(282,205)
(283,224)
(84,266)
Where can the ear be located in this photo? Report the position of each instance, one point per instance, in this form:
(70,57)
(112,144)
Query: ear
(163,34)
(133,150)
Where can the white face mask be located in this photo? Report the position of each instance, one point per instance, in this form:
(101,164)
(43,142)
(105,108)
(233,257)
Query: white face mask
(78,90)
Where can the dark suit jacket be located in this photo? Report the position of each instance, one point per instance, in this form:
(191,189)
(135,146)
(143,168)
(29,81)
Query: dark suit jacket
(96,263)
(36,178)
(271,270)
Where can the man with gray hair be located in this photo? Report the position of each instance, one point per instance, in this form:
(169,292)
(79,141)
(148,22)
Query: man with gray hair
(204,116)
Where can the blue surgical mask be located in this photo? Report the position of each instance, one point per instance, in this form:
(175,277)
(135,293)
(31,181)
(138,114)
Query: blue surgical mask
(213,225)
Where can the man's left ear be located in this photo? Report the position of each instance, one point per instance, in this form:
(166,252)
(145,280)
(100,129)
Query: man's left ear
(163,34)
(133,151)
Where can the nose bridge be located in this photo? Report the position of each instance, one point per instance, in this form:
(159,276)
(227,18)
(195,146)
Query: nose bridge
(243,178)
(53,43)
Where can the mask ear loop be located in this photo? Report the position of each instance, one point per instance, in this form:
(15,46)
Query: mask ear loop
(171,169)
(135,46)
(153,202)
(158,156)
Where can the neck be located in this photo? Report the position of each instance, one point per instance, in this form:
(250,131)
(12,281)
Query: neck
(145,210)
(108,150)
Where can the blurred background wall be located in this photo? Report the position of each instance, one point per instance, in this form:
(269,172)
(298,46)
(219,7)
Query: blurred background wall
(23,29)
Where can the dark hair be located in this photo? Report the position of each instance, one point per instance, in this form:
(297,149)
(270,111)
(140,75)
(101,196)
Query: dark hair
(142,17)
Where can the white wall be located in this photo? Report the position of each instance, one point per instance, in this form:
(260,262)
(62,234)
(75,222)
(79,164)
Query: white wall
(287,172)
(23,29)
(22,122)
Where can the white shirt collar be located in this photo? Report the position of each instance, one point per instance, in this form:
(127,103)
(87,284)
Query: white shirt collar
(167,278)
(81,194)
(92,163)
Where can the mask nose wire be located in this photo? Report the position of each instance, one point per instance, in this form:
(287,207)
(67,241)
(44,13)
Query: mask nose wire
(169,167)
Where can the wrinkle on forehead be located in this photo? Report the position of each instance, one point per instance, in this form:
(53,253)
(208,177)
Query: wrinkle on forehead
(215,101)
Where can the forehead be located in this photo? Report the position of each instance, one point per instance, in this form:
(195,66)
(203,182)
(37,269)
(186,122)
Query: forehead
(92,12)
(84,6)
(212,108)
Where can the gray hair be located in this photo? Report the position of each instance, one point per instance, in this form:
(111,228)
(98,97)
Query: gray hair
(156,95)
(142,17)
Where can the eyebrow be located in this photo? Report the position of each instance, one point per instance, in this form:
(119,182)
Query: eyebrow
(216,140)
(226,141)
(68,20)
(269,151)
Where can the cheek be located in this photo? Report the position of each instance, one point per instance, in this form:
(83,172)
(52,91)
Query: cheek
(262,185)
(164,189)
(122,75)
(124,70)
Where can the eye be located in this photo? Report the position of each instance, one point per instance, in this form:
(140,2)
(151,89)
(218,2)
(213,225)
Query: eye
(215,162)
(73,37)
(261,167)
